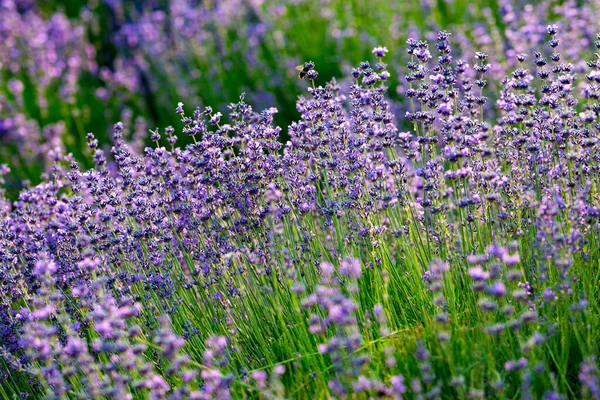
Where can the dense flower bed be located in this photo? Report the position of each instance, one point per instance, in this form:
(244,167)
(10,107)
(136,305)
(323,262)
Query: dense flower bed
(68,68)
(455,259)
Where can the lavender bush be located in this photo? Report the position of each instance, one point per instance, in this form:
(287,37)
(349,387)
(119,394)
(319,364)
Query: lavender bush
(203,53)
(41,60)
(68,68)
(457,258)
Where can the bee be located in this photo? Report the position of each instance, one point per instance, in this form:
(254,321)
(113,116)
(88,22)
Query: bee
(303,69)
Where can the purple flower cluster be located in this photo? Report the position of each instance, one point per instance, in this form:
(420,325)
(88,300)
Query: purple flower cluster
(460,255)
(43,56)
(123,57)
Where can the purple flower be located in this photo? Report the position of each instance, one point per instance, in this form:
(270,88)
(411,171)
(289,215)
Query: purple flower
(350,267)
(327,269)
(380,52)
(279,370)
(552,30)
(497,289)
(478,274)
(43,267)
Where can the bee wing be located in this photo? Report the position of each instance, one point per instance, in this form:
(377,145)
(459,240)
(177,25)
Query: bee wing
(299,67)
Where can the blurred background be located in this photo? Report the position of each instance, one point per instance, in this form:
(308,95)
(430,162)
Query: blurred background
(72,67)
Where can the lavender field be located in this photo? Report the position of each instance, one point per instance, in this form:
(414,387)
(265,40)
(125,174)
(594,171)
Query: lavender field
(413,212)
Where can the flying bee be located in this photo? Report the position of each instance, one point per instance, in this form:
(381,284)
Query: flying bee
(303,69)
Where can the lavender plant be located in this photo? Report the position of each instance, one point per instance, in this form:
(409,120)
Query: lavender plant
(64,61)
(456,258)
